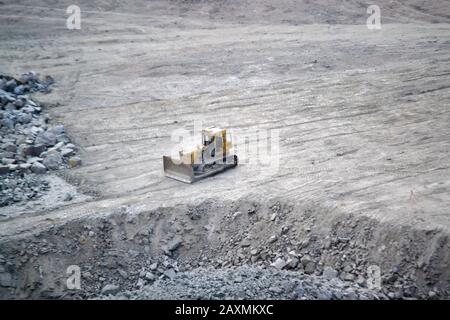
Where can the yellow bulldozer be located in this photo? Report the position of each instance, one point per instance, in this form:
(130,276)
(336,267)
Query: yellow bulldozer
(214,155)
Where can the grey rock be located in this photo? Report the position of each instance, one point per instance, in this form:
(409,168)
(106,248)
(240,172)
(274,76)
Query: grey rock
(29,76)
(10,85)
(348,268)
(24,118)
(329,273)
(7,154)
(57,130)
(133,253)
(57,146)
(299,291)
(10,107)
(399,294)
(325,295)
(18,103)
(74,162)
(47,138)
(174,244)
(71,146)
(8,161)
(292,263)
(66,152)
(123,273)
(170,273)
(305,260)
(246,243)
(150,276)
(153,266)
(361,281)
(410,291)
(347,276)
(53,161)
(4,169)
(62,138)
(25,150)
(19,90)
(36,130)
(10,147)
(351,295)
(34,159)
(7,123)
(28,109)
(279,264)
(6,280)
(140,283)
(37,150)
(38,168)
(276,290)
(24,167)
(310,267)
(67,197)
(110,289)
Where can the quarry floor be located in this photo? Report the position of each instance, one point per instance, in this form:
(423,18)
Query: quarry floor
(361,117)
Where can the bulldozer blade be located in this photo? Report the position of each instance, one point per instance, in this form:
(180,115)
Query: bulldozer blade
(181,172)
(185,173)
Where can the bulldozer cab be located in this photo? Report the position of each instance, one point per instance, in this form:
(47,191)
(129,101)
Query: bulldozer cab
(216,138)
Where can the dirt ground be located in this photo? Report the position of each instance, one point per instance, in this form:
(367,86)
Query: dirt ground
(363,115)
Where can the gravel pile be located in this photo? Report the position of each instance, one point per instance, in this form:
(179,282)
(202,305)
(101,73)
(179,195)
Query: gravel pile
(28,143)
(26,83)
(245,282)
(17,187)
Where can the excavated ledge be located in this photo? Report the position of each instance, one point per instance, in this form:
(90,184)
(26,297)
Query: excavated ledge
(132,247)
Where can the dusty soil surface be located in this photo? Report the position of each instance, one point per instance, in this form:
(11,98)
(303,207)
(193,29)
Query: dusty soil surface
(362,116)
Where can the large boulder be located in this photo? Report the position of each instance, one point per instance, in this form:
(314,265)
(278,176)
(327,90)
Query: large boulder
(38,167)
(110,289)
(53,161)
(47,138)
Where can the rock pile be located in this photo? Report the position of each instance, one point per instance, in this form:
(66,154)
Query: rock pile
(18,187)
(136,273)
(246,282)
(28,143)
(26,83)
